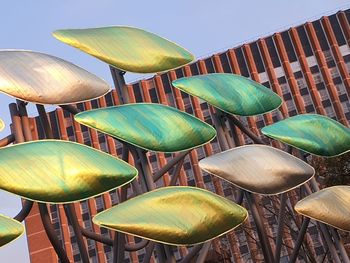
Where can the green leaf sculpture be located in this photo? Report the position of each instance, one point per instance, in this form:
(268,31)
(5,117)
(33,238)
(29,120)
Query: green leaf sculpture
(311,133)
(127,48)
(174,215)
(60,171)
(153,127)
(231,93)
(10,230)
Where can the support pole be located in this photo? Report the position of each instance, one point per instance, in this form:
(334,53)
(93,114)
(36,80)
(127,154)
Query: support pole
(279,236)
(264,241)
(51,234)
(69,209)
(300,239)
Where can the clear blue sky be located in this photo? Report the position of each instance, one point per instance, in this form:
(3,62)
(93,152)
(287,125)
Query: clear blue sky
(202,26)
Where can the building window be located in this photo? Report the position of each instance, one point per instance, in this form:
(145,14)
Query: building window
(84,207)
(225,63)
(323,94)
(330,112)
(209,65)
(317,78)
(304,41)
(320,35)
(241,62)
(99,203)
(289,46)
(337,30)
(341,89)
(257,57)
(307,100)
(273,52)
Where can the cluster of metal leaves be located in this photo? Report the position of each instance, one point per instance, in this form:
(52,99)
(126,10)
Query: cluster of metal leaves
(274,171)
(172,215)
(55,171)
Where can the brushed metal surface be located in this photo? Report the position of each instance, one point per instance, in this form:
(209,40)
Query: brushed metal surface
(150,126)
(312,133)
(10,230)
(259,169)
(175,215)
(45,79)
(231,93)
(330,206)
(127,48)
(56,171)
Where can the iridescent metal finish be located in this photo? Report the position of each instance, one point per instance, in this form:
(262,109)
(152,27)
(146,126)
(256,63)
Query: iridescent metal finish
(44,79)
(330,206)
(231,93)
(10,230)
(174,215)
(259,169)
(60,171)
(153,127)
(127,48)
(312,133)
(2,125)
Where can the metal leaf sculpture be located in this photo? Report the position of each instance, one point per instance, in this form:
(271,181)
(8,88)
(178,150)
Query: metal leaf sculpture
(44,79)
(231,93)
(60,171)
(10,230)
(259,169)
(174,215)
(127,48)
(330,206)
(2,125)
(153,127)
(312,133)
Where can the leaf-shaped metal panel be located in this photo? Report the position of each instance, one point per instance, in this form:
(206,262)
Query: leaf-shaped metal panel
(60,171)
(231,93)
(127,48)
(174,215)
(311,133)
(153,127)
(2,125)
(259,169)
(44,79)
(10,230)
(330,206)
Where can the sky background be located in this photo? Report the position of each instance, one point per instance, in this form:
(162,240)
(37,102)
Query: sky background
(204,27)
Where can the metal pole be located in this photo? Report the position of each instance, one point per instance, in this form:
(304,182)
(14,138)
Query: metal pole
(264,241)
(300,239)
(203,252)
(280,227)
(7,140)
(69,208)
(244,129)
(51,234)
(193,253)
(119,82)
